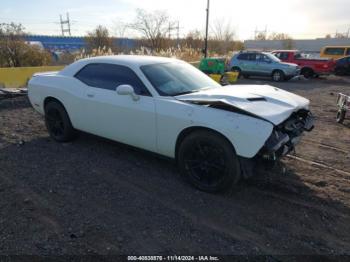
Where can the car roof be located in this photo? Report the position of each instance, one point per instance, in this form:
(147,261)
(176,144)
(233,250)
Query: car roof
(125,60)
(129,59)
(252,52)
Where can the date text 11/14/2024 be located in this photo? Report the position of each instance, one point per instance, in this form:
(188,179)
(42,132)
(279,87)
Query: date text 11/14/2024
(173,258)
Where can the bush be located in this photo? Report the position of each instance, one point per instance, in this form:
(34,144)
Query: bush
(15,52)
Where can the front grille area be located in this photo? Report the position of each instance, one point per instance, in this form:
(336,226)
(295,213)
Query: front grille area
(286,135)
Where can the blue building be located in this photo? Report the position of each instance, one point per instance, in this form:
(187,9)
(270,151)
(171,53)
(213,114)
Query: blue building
(73,43)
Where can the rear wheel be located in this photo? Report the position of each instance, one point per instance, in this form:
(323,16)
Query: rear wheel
(341,116)
(340,71)
(307,72)
(58,123)
(208,161)
(278,76)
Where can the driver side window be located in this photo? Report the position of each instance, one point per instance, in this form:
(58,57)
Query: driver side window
(265,59)
(110,76)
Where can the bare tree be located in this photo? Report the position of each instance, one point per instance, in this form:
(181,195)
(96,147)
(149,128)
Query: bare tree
(15,52)
(341,35)
(153,26)
(223,30)
(195,39)
(287,40)
(11,43)
(279,36)
(223,35)
(121,29)
(98,38)
(260,36)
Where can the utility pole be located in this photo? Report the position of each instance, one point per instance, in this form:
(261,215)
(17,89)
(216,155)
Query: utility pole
(174,26)
(65,25)
(207,31)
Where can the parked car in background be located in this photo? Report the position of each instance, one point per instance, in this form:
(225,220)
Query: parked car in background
(309,67)
(216,134)
(335,52)
(252,63)
(342,66)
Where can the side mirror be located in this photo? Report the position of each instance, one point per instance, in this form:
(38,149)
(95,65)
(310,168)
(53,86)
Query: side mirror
(127,90)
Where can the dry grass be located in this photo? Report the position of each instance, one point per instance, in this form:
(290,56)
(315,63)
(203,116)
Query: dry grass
(185,53)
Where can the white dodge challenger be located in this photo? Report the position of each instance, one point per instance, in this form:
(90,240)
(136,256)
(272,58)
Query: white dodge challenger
(216,134)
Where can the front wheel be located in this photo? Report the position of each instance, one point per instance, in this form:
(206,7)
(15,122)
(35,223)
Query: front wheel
(339,71)
(208,161)
(58,123)
(341,116)
(307,73)
(278,76)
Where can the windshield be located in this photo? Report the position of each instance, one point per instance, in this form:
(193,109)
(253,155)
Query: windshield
(273,57)
(177,78)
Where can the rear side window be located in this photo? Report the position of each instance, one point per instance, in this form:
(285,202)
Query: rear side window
(253,56)
(265,58)
(278,55)
(334,51)
(243,56)
(348,51)
(109,76)
(282,55)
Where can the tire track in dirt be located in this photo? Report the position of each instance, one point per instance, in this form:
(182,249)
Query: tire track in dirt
(343,173)
(326,146)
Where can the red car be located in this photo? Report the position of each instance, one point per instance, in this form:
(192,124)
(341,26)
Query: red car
(309,67)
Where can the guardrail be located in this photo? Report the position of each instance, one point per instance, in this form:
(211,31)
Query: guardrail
(15,77)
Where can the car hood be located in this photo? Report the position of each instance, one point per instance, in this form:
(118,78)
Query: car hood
(289,64)
(270,103)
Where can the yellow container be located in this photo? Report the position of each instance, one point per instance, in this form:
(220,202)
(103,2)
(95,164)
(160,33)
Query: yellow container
(215,77)
(231,77)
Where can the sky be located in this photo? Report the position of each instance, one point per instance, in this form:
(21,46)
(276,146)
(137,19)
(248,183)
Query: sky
(302,19)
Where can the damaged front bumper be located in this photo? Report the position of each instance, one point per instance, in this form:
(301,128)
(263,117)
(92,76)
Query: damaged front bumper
(286,136)
(282,141)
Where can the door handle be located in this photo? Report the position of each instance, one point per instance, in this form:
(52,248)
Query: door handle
(91,95)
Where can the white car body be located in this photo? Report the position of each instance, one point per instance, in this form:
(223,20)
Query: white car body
(156,122)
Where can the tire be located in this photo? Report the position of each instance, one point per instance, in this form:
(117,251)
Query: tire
(238,70)
(208,161)
(278,76)
(58,123)
(307,73)
(339,71)
(341,116)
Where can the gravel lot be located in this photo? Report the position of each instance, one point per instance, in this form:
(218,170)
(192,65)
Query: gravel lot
(95,196)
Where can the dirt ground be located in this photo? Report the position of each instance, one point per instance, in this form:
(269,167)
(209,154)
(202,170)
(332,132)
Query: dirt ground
(95,196)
